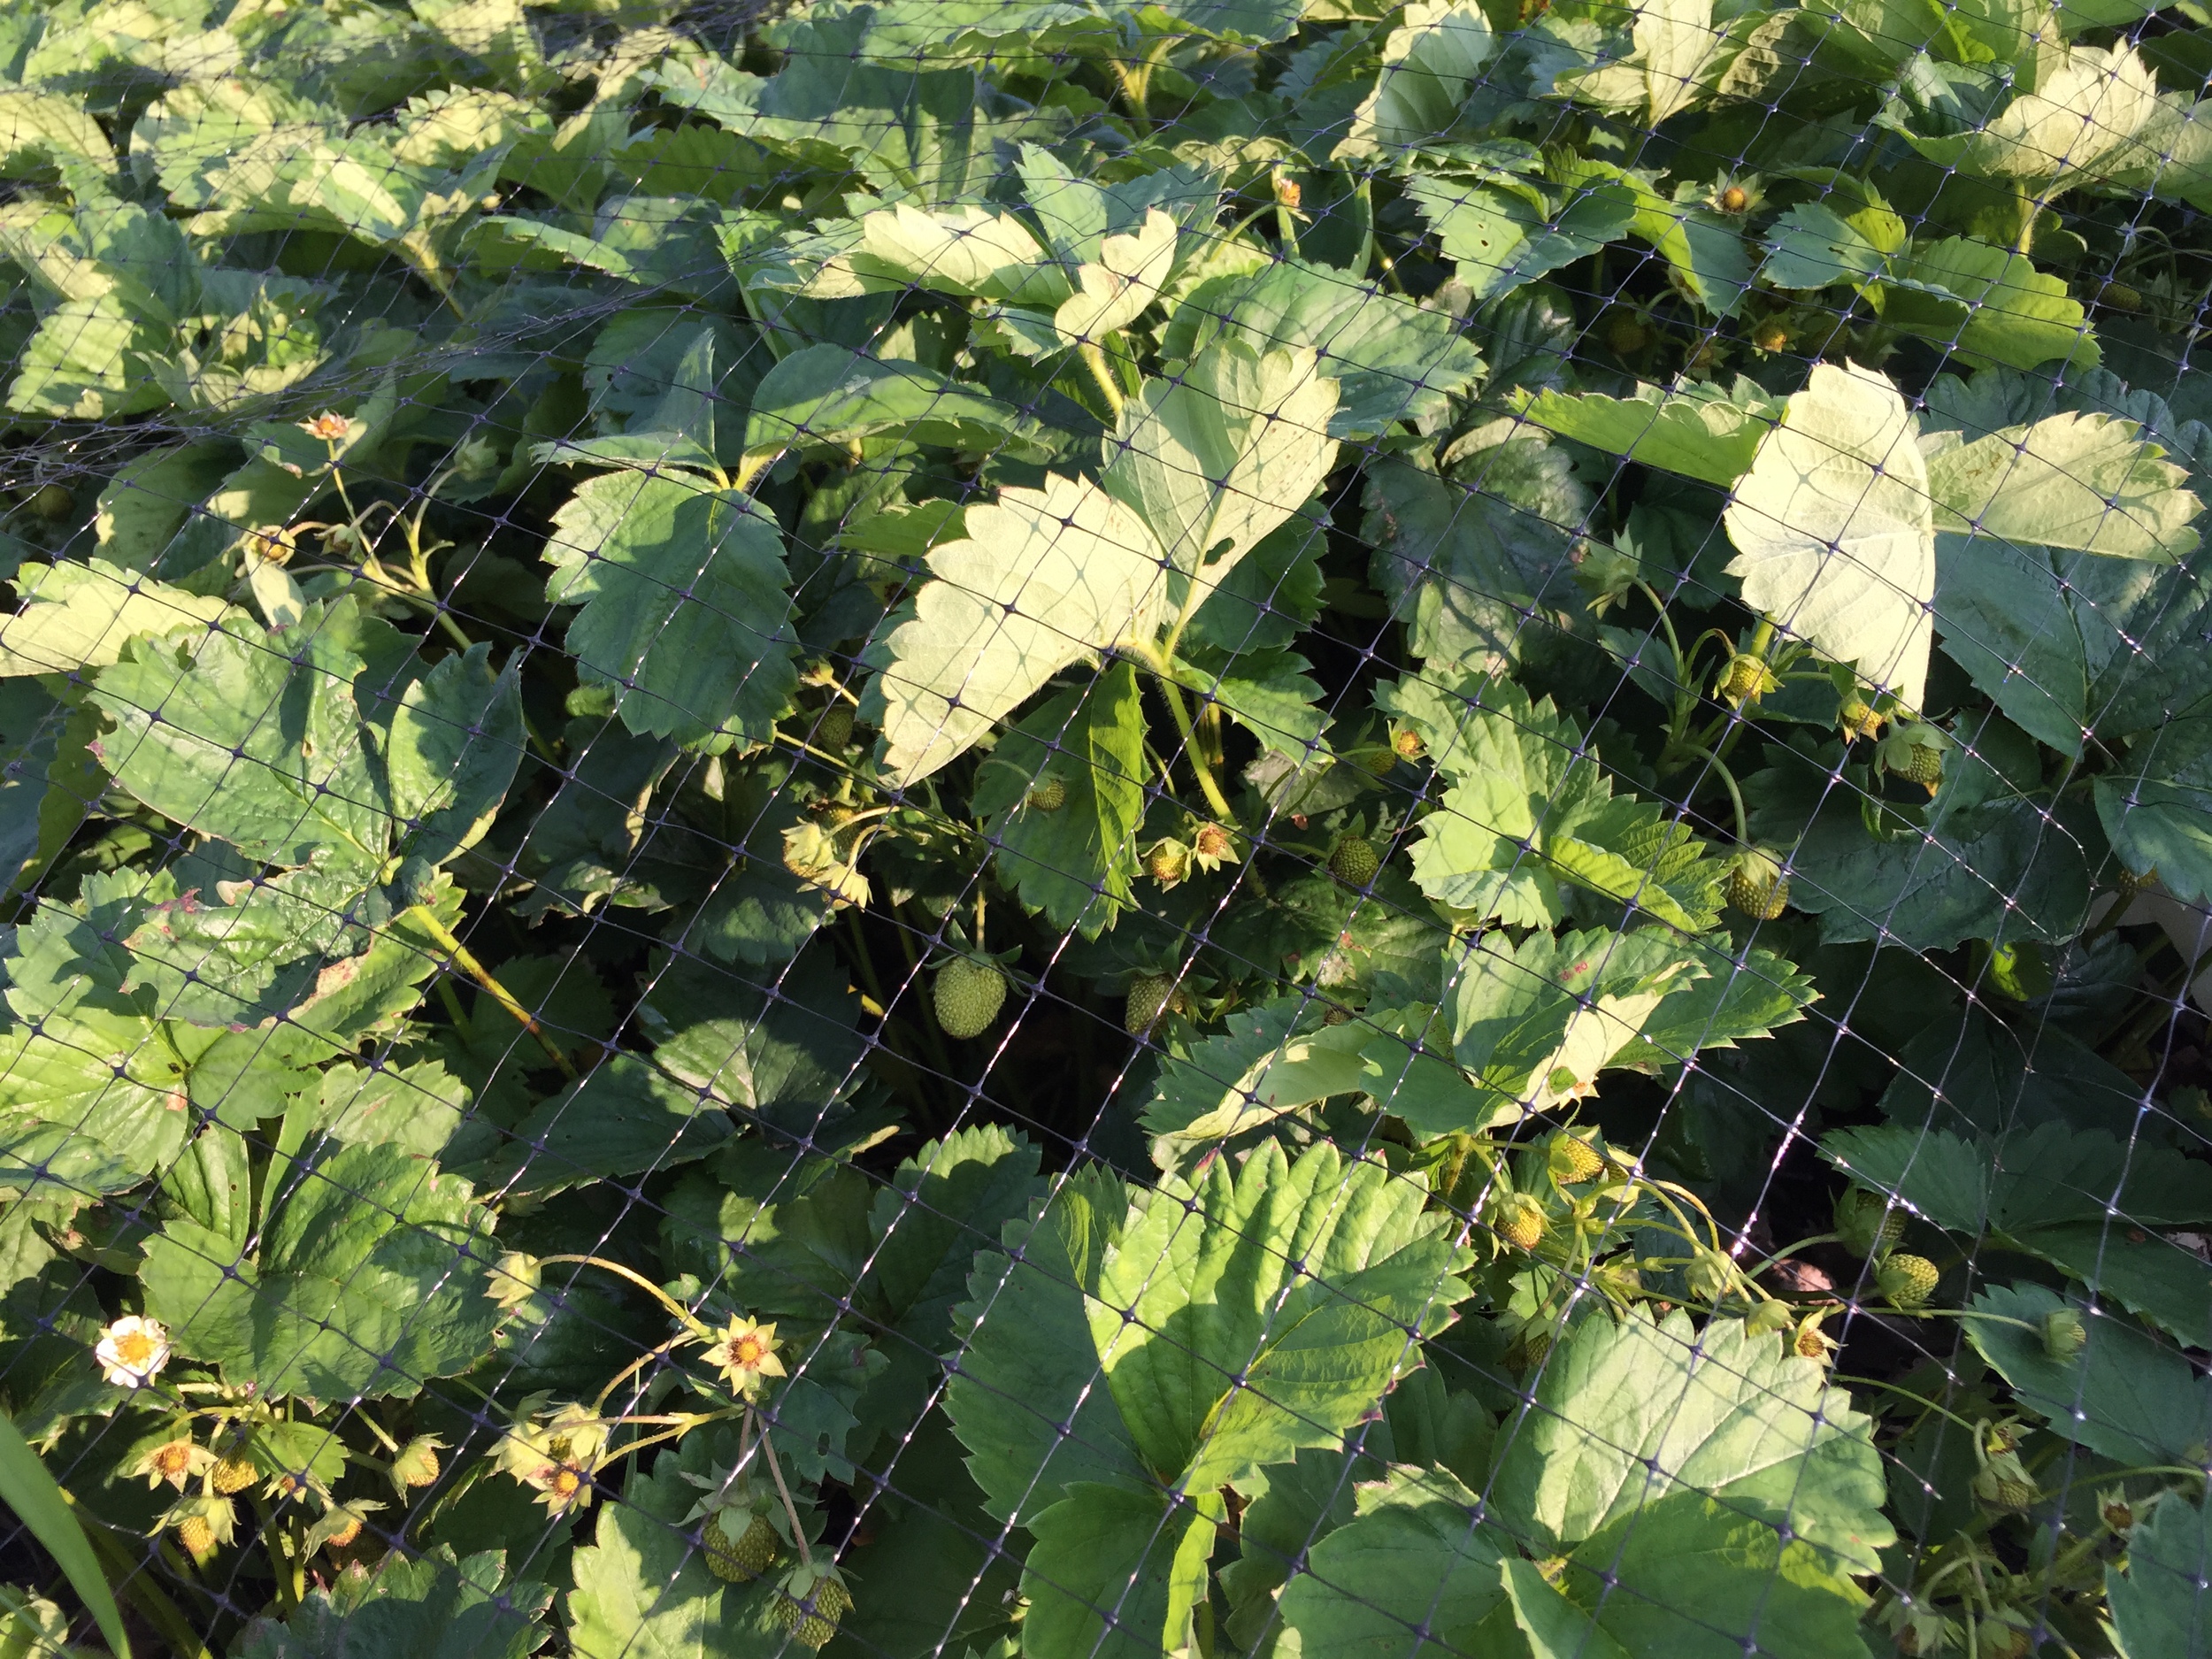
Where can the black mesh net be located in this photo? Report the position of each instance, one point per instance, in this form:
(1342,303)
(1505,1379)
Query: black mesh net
(1225,828)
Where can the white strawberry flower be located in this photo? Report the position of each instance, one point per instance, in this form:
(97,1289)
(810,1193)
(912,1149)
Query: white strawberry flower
(132,1351)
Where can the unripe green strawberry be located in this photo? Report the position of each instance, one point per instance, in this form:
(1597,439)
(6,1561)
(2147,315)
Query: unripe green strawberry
(1866,1223)
(2002,1483)
(1048,794)
(837,818)
(1857,719)
(196,1536)
(969,996)
(1146,1001)
(809,1603)
(2121,298)
(1907,1282)
(234,1473)
(1573,1159)
(834,729)
(2000,1638)
(1914,750)
(1746,676)
(1520,1220)
(53,504)
(1354,862)
(1755,885)
(742,1556)
(2063,1334)
(1626,333)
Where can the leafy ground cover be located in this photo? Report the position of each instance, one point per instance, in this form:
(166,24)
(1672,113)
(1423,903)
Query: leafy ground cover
(1225,827)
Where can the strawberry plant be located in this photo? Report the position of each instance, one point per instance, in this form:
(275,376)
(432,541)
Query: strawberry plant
(948,829)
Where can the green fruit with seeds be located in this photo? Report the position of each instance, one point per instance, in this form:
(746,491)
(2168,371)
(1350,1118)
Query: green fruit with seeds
(1907,1282)
(1867,1224)
(1353,861)
(1048,794)
(738,1555)
(834,729)
(969,996)
(1520,1220)
(811,1601)
(1756,885)
(53,504)
(1146,1001)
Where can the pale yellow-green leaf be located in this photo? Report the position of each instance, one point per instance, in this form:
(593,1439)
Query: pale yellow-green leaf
(1595,1033)
(1042,578)
(81,616)
(1429,64)
(1113,292)
(1296,1073)
(39,125)
(967,251)
(2087,109)
(1214,460)
(453,127)
(1709,438)
(2084,481)
(1834,530)
(1676,42)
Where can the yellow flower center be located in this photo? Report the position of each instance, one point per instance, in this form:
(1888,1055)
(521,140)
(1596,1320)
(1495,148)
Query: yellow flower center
(747,1352)
(172,1459)
(566,1483)
(134,1348)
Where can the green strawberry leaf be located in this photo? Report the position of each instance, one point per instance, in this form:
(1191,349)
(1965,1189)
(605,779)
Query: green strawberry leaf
(642,1587)
(1246,1078)
(828,398)
(1025,1398)
(1076,862)
(260,745)
(1531,807)
(686,611)
(1041,578)
(2154,807)
(1534,1023)
(1214,459)
(1430,63)
(1642,1414)
(1677,46)
(1501,238)
(1392,360)
(1833,530)
(625,1118)
(2157,1602)
(1140,1556)
(1220,1357)
(1988,305)
(1415,1567)
(1698,1576)
(1465,556)
(1714,439)
(268,950)
(76,616)
(433,1607)
(366,1280)
(2124,1396)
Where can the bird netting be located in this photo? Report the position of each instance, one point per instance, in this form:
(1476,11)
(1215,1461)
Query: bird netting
(1222,828)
